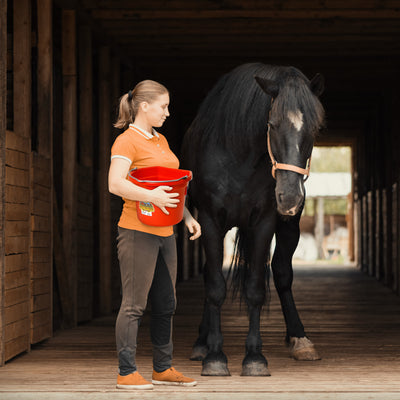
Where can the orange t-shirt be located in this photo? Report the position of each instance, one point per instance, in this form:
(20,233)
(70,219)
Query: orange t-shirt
(142,150)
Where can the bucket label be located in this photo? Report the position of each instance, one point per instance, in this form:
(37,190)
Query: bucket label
(146,208)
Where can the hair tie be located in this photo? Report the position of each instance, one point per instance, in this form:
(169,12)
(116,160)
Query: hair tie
(130,95)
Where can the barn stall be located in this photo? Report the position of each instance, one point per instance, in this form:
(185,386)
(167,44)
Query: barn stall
(63,66)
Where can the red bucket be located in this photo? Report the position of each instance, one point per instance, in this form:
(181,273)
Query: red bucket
(152,177)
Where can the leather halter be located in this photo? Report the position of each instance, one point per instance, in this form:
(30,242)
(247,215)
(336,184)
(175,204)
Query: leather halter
(287,167)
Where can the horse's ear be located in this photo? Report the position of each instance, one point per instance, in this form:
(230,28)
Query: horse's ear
(268,86)
(317,84)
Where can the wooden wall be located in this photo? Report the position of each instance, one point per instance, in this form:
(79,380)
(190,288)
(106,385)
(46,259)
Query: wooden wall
(3,127)
(378,189)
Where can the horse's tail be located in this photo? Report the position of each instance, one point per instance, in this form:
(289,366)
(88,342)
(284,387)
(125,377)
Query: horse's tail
(239,268)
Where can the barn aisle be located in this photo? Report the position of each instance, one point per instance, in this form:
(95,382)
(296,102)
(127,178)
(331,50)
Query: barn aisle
(352,319)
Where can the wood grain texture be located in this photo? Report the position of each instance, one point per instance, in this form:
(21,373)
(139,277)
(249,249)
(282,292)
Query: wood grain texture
(3,127)
(350,317)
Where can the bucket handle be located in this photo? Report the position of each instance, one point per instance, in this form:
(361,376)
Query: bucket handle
(145,180)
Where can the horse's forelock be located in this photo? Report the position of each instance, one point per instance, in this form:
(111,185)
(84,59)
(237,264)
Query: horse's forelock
(295,96)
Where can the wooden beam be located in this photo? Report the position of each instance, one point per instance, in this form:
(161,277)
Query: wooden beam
(86,96)
(22,68)
(3,127)
(237,28)
(22,106)
(69,212)
(45,77)
(304,14)
(104,195)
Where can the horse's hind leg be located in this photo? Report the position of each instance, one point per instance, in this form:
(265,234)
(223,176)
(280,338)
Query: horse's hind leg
(287,237)
(215,362)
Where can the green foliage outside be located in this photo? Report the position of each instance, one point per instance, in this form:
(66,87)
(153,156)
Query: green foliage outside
(330,159)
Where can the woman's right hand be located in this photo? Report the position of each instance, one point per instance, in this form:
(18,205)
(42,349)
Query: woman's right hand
(161,197)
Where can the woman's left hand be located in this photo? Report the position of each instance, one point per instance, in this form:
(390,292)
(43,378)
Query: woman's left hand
(192,225)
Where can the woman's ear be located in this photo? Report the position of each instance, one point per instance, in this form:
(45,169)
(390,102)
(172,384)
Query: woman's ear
(144,106)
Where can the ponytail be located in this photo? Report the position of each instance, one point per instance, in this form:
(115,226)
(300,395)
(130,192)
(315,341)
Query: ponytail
(125,112)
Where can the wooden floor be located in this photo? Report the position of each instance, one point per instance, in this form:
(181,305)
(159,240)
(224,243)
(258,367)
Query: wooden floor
(353,320)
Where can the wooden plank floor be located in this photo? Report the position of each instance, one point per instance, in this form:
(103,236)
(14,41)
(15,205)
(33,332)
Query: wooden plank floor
(352,319)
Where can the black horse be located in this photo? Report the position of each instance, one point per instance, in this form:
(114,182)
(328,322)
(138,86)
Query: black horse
(251,109)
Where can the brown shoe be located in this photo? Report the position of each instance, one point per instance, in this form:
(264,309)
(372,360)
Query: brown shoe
(172,377)
(133,381)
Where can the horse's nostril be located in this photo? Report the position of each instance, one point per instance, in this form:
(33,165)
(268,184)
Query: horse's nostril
(280,197)
(292,211)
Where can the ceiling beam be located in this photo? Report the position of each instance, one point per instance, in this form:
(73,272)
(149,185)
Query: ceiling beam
(305,14)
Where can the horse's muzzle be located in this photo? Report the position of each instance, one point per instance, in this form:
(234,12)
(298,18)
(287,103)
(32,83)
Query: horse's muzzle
(289,197)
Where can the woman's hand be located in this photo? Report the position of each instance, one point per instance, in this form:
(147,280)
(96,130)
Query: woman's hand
(192,225)
(161,197)
(120,186)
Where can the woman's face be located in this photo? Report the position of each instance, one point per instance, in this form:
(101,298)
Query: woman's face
(157,111)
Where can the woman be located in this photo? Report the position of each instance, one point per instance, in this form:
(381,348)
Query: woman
(147,254)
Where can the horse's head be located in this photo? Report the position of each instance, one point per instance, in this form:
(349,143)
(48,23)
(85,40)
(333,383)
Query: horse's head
(295,117)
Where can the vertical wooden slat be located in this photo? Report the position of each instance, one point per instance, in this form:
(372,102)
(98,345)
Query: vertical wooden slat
(395,237)
(3,126)
(86,96)
(85,176)
(378,234)
(116,202)
(364,233)
(45,78)
(371,233)
(385,238)
(69,71)
(41,182)
(105,286)
(17,176)
(22,67)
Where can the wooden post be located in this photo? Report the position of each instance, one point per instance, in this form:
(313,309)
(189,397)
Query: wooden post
(319,226)
(3,126)
(85,236)
(104,195)
(17,179)
(41,264)
(116,201)
(370,233)
(86,96)
(69,150)
(364,233)
(45,78)
(378,235)
(395,237)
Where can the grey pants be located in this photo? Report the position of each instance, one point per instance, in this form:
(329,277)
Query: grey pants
(148,266)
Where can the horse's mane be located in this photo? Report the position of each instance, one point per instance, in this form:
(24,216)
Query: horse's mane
(235,112)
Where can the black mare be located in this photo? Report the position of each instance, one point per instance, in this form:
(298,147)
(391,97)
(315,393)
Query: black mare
(226,148)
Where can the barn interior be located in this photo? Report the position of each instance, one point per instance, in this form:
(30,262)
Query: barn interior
(64,65)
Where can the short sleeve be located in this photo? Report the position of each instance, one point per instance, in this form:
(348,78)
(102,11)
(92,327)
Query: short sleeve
(124,148)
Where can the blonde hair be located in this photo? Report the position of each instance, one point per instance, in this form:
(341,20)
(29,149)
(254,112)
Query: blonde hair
(129,103)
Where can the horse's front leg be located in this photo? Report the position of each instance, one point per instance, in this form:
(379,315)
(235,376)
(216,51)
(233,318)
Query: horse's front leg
(257,252)
(287,238)
(215,363)
(200,347)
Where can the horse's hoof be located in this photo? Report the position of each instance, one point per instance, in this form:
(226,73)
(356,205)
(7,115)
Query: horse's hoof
(255,364)
(199,353)
(215,368)
(255,369)
(302,349)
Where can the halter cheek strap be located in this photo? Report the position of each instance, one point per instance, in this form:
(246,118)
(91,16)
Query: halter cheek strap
(287,167)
